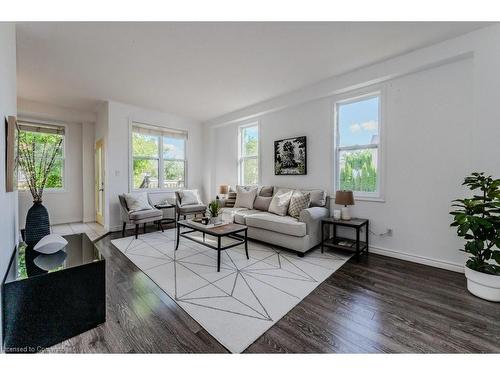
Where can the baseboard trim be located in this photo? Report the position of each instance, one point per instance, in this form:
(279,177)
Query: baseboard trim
(451,266)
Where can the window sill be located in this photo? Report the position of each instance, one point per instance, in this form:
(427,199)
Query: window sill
(46,191)
(370,199)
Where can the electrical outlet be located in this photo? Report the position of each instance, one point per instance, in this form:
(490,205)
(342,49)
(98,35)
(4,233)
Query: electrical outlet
(389,232)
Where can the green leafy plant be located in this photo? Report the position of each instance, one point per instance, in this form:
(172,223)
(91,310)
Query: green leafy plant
(477,220)
(214,208)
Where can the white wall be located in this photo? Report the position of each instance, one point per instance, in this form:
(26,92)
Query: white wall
(8,201)
(75,202)
(440,118)
(116,131)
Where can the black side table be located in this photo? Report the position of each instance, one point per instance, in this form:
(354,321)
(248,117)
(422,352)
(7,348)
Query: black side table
(343,243)
(166,220)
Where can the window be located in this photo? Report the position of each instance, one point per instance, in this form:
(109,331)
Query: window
(357,146)
(249,155)
(42,138)
(158,157)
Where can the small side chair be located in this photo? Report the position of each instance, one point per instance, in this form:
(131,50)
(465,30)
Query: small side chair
(191,209)
(138,217)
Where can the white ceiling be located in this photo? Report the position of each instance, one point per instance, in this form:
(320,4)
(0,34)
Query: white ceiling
(201,70)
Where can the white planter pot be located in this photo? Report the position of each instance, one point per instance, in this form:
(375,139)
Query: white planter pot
(215,220)
(483,285)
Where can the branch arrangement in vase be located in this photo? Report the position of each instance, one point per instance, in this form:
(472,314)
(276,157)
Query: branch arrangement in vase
(36,162)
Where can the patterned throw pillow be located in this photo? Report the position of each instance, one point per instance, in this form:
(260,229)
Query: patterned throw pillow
(300,201)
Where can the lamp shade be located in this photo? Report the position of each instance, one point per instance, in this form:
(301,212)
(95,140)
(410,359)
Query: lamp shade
(223,189)
(344,197)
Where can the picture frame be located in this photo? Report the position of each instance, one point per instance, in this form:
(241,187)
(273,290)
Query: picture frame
(290,156)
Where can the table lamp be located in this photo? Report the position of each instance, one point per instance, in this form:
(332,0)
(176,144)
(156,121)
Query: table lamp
(345,198)
(223,190)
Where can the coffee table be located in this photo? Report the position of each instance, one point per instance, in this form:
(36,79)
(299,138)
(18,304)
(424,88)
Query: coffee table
(229,230)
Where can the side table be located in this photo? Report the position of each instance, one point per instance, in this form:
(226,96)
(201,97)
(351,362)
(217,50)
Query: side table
(165,220)
(343,243)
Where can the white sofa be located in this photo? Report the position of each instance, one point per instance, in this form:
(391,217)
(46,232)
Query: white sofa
(300,235)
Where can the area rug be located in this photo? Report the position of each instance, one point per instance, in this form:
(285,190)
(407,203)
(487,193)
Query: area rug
(242,301)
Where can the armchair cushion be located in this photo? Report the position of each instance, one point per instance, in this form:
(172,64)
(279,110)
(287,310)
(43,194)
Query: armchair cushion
(198,208)
(146,214)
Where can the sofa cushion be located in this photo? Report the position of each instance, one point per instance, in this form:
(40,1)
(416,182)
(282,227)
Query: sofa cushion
(266,191)
(281,224)
(262,203)
(300,201)
(239,217)
(279,203)
(245,197)
(146,214)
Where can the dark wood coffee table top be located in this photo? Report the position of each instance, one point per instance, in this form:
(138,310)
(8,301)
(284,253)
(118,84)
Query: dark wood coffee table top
(219,230)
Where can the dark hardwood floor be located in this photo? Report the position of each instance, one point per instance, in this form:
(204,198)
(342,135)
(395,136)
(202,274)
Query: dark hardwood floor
(379,305)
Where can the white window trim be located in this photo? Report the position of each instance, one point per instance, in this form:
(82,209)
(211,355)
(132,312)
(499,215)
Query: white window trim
(161,160)
(241,158)
(64,188)
(352,97)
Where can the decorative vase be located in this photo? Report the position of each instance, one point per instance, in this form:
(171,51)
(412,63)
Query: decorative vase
(483,285)
(37,224)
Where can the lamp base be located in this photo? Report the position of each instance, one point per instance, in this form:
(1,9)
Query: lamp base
(346,215)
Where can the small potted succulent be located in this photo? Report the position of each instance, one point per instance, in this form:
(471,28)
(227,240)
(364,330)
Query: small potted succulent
(477,220)
(214,210)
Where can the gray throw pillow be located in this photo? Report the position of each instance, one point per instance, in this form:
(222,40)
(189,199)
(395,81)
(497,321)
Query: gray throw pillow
(262,203)
(266,191)
(279,203)
(299,201)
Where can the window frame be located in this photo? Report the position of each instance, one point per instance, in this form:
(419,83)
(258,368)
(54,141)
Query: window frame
(161,160)
(353,97)
(41,123)
(242,158)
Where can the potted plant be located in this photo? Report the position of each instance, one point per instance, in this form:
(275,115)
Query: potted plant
(36,162)
(477,220)
(213,210)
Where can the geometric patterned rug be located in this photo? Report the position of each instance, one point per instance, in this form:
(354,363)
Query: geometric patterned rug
(242,301)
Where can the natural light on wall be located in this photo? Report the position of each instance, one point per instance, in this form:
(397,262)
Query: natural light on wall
(158,158)
(357,140)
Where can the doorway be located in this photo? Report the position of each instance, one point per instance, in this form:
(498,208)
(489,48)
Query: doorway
(99,181)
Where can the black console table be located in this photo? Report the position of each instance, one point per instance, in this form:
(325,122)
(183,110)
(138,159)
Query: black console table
(47,299)
(343,243)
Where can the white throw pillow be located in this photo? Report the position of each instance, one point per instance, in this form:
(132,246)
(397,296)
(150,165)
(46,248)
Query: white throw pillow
(189,197)
(137,201)
(279,203)
(245,197)
(50,244)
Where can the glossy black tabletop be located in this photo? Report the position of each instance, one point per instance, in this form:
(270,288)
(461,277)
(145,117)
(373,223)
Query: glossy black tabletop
(27,262)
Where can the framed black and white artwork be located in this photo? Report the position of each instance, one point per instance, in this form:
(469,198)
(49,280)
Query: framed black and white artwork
(290,156)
